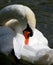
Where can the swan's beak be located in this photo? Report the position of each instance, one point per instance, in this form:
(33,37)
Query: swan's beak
(26,35)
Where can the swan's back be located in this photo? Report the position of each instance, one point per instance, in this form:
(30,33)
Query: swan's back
(6,39)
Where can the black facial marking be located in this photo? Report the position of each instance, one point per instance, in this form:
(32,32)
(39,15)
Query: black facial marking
(29,29)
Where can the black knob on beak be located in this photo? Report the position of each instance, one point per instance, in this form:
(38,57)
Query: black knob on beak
(29,29)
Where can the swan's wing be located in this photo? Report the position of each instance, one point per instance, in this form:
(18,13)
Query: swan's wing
(6,39)
(45,56)
(17,48)
(18,43)
(40,37)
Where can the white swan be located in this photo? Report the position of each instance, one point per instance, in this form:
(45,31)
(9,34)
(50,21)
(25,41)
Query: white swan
(9,17)
(34,48)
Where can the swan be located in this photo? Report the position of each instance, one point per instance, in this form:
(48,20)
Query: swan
(12,15)
(28,43)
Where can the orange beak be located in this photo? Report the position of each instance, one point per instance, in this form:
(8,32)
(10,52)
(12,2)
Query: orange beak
(26,35)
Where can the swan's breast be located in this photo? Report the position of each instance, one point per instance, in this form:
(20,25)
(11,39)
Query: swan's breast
(38,41)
